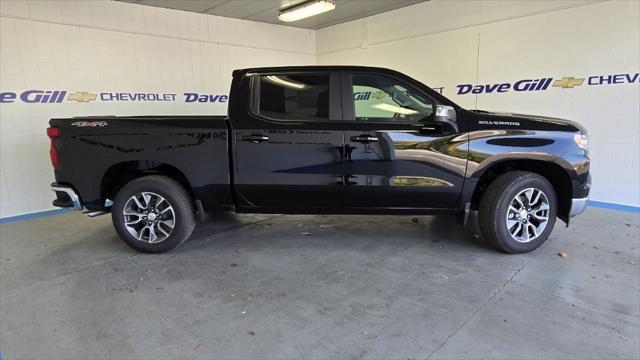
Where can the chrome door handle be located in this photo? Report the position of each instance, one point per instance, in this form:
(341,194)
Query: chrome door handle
(256,139)
(365,139)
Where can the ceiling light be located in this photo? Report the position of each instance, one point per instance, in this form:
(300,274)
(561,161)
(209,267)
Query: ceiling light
(394,109)
(305,10)
(287,83)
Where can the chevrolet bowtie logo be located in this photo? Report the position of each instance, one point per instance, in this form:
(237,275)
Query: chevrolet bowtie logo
(568,82)
(82,96)
(378,95)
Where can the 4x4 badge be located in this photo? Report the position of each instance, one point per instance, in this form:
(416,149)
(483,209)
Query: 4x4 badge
(89,123)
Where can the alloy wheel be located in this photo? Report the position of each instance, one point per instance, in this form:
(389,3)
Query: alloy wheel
(528,215)
(149,217)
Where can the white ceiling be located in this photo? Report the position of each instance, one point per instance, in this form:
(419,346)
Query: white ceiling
(267,10)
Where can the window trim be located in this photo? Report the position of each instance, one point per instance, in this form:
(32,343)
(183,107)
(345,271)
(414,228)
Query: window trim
(349,104)
(335,103)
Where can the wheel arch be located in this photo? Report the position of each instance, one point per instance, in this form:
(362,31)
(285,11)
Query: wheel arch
(119,174)
(553,172)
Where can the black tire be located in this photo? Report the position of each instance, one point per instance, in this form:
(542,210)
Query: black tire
(494,208)
(182,212)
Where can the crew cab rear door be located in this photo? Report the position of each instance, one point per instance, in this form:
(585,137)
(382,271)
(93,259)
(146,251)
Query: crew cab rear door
(288,144)
(395,158)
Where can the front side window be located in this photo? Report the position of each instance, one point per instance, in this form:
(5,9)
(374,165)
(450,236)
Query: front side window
(294,96)
(379,98)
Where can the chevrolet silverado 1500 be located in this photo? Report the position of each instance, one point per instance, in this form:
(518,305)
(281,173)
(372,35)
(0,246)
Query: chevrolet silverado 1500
(323,140)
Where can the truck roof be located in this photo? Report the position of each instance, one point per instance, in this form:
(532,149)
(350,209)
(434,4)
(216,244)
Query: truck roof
(317,68)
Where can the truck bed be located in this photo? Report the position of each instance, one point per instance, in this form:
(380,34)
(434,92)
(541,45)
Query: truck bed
(195,148)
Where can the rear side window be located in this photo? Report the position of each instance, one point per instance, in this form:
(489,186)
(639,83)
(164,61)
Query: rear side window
(294,96)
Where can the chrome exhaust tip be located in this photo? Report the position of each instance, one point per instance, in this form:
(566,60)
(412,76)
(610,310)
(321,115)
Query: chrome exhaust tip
(93,214)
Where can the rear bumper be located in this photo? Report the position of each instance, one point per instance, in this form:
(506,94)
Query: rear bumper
(578,206)
(66,197)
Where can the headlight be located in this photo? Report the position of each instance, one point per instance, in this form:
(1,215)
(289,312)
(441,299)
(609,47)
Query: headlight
(582,140)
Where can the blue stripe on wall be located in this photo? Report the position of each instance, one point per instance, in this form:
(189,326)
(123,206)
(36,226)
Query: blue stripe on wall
(41,214)
(612,206)
(32,216)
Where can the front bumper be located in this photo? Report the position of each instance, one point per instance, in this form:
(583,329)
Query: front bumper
(578,206)
(66,197)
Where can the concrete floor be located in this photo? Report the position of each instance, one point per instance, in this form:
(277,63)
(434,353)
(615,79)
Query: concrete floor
(356,287)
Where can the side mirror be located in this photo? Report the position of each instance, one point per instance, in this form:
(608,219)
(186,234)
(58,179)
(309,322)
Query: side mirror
(443,122)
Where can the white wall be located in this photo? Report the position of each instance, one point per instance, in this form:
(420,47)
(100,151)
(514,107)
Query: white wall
(448,43)
(106,46)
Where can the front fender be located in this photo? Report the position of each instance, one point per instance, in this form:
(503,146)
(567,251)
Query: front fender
(524,149)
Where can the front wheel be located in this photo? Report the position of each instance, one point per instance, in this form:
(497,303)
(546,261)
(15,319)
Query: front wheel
(153,214)
(518,211)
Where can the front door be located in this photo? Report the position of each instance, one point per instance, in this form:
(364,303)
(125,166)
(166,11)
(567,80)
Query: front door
(394,157)
(288,147)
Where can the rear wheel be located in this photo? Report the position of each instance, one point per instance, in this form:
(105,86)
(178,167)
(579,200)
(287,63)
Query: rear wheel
(518,211)
(153,214)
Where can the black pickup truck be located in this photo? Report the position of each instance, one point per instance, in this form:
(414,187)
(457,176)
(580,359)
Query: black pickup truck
(323,140)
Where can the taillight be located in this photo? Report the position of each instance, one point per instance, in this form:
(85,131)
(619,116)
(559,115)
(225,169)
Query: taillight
(53,133)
